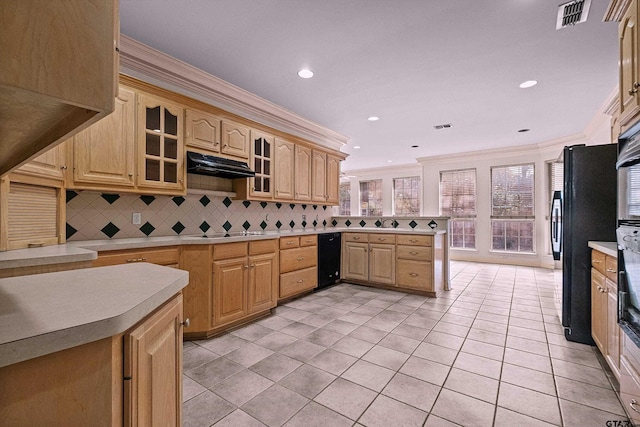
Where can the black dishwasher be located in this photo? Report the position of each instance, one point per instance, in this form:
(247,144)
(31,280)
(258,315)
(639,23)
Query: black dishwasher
(328,259)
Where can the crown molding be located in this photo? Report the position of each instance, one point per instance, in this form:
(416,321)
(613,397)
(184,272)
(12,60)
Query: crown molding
(151,65)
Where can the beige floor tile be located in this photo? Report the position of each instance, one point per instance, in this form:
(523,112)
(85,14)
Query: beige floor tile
(528,402)
(532,334)
(409,331)
(490,351)
(249,354)
(486,336)
(507,418)
(190,388)
(276,341)
(386,357)
(451,329)
(382,325)
(412,391)
(275,405)
(214,372)
(473,385)
(314,415)
(463,410)
(346,398)
(276,366)
(426,370)
(196,357)
(340,326)
(275,322)
(238,418)
(323,337)
(352,346)
(435,421)
(355,318)
(252,332)
(528,378)
(223,344)
(307,380)
(582,373)
(527,360)
(368,375)
(584,356)
(574,414)
(444,340)
(399,343)
(385,412)
(525,344)
(436,353)
(604,399)
(368,334)
(478,365)
(242,387)
(332,361)
(457,320)
(205,409)
(485,325)
(298,329)
(302,350)
(317,320)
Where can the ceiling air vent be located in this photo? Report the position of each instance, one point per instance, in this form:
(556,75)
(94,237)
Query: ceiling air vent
(572,13)
(445,126)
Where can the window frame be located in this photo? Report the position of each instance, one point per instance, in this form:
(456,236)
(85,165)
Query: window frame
(463,220)
(368,201)
(412,201)
(344,204)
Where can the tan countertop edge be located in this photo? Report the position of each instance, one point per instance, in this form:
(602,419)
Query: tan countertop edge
(46,313)
(87,250)
(607,248)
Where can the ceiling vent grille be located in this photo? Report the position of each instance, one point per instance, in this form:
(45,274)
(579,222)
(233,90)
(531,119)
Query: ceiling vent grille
(445,126)
(572,13)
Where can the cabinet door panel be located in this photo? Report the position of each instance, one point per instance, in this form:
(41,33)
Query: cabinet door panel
(414,274)
(598,310)
(262,146)
(382,263)
(356,261)
(235,139)
(263,282)
(628,39)
(319,177)
(103,154)
(202,131)
(613,330)
(333,180)
(229,290)
(284,170)
(302,173)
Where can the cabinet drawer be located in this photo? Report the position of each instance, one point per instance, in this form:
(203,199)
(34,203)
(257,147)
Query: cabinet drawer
(289,242)
(164,256)
(298,281)
(629,389)
(611,268)
(263,247)
(598,261)
(414,239)
(299,258)
(229,250)
(309,240)
(414,274)
(419,253)
(355,237)
(382,238)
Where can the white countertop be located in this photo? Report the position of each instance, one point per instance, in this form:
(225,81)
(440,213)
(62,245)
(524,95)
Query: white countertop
(45,313)
(607,248)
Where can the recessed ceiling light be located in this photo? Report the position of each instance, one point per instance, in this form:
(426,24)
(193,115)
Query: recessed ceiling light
(373,118)
(523,130)
(389,161)
(356,147)
(528,83)
(305,73)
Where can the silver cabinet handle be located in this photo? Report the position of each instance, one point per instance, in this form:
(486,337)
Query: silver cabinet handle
(413,240)
(413,274)
(633,405)
(245,266)
(356,238)
(136,260)
(300,281)
(186,322)
(300,258)
(289,243)
(413,253)
(382,239)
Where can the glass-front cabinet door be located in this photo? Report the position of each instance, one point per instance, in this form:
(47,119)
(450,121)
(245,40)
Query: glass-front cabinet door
(262,156)
(160,144)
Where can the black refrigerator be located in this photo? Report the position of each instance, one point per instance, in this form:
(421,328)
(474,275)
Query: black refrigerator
(588,213)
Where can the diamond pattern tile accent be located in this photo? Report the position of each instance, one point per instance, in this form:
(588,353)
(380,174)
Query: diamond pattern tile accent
(395,223)
(304,207)
(292,224)
(178,200)
(362,223)
(110,198)
(413,224)
(324,222)
(147,199)
(178,227)
(347,223)
(227,202)
(70,231)
(246,203)
(278,205)
(204,226)
(110,230)
(246,225)
(304,224)
(378,223)
(204,200)
(263,225)
(263,204)
(315,223)
(334,222)
(292,206)
(227,226)
(324,208)
(432,224)
(278,225)
(71,195)
(147,228)
(315,207)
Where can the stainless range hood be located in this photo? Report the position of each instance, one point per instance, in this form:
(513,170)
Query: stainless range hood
(204,164)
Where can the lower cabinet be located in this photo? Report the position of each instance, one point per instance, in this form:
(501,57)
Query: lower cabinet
(298,265)
(167,256)
(382,263)
(132,379)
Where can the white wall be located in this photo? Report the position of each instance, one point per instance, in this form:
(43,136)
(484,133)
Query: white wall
(598,131)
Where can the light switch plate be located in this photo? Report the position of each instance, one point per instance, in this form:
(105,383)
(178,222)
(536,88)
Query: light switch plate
(136,218)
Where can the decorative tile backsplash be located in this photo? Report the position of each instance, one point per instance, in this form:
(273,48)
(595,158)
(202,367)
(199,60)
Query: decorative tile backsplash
(92,215)
(415,223)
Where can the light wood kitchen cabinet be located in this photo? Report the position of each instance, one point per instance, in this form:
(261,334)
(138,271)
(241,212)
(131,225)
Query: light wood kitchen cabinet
(236,140)
(302,173)
(319,176)
(160,145)
(369,257)
(629,65)
(259,187)
(53,85)
(153,369)
(51,164)
(355,261)
(202,131)
(104,153)
(333,180)
(298,265)
(420,263)
(245,280)
(604,308)
(167,256)
(382,263)
(284,170)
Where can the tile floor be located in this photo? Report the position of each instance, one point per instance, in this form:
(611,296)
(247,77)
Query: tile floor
(488,353)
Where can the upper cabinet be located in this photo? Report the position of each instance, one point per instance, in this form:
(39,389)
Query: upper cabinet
(49,165)
(629,65)
(302,173)
(262,162)
(319,177)
(333,180)
(202,131)
(61,75)
(160,144)
(236,139)
(103,154)
(284,169)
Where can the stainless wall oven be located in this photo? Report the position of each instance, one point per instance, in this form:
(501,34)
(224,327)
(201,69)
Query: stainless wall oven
(628,235)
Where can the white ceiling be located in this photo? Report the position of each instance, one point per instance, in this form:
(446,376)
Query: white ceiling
(413,63)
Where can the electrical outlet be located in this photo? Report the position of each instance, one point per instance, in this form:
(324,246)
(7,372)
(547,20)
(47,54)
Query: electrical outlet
(136,218)
(304,217)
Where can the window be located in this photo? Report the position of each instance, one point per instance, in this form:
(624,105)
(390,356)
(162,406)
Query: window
(406,196)
(458,201)
(345,199)
(512,208)
(371,198)
(633,190)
